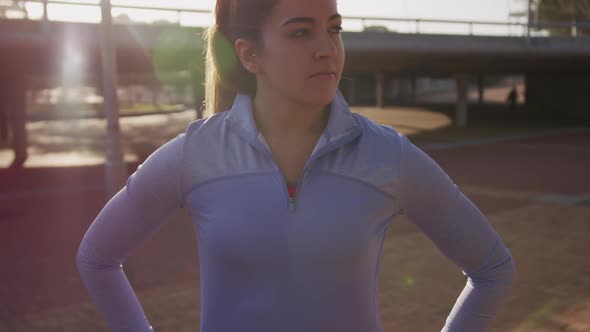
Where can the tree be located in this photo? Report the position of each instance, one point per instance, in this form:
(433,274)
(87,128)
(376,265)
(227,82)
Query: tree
(377,28)
(122,19)
(566,11)
(163,22)
(13,6)
(181,50)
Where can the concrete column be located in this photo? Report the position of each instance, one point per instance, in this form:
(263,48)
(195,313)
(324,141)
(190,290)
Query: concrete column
(529,20)
(45,19)
(480,88)
(13,103)
(3,124)
(19,122)
(413,83)
(379,88)
(116,170)
(461,110)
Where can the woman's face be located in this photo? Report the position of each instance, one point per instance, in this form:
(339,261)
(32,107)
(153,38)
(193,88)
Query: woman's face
(302,55)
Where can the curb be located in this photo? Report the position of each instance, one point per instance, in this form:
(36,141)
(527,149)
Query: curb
(491,140)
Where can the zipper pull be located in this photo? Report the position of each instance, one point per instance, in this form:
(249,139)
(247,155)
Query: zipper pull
(292,203)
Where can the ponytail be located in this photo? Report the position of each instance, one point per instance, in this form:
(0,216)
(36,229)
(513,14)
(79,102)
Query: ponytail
(224,74)
(217,97)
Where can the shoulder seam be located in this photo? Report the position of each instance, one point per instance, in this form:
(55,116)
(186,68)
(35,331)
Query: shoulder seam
(343,174)
(222,177)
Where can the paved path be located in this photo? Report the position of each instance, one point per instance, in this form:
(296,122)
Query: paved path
(532,190)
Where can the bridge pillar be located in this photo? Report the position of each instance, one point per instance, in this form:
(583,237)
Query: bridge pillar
(13,104)
(462,81)
(3,123)
(480,88)
(115,168)
(379,87)
(414,87)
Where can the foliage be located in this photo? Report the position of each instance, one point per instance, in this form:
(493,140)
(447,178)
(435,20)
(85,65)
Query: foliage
(566,11)
(377,28)
(562,10)
(179,60)
(122,19)
(13,6)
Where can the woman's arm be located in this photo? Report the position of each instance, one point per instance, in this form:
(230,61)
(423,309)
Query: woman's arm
(151,194)
(457,227)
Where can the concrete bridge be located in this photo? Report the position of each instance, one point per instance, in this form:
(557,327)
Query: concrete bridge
(366,50)
(38,48)
(556,69)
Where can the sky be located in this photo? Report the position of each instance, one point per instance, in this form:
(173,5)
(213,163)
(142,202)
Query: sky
(467,10)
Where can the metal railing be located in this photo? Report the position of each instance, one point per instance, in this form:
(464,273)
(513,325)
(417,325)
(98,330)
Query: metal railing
(411,25)
(524,27)
(178,11)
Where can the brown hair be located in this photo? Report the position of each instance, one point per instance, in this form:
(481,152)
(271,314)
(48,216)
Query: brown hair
(225,76)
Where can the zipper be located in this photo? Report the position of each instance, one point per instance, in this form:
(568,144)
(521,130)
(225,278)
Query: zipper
(293,200)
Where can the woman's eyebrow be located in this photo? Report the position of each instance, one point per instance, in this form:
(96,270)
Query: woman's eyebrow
(306,20)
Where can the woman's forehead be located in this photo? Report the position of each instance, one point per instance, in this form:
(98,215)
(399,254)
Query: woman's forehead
(317,9)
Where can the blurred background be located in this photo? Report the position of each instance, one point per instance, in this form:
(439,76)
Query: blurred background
(495,91)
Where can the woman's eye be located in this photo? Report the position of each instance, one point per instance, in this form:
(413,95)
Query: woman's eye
(337,29)
(300,33)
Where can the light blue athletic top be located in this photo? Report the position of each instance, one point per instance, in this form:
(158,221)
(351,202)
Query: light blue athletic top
(271,263)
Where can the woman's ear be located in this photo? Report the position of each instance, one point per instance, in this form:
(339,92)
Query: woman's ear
(246,53)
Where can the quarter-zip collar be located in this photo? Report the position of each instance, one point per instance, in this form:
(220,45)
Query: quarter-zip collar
(341,128)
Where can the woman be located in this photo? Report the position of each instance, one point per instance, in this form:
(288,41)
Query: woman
(290,193)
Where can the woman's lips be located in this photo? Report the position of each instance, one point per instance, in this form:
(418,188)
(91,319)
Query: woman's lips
(324,75)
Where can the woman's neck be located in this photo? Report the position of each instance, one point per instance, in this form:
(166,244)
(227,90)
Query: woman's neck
(279,117)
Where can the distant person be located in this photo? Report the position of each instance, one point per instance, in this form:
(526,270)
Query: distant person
(290,193)
(512,98)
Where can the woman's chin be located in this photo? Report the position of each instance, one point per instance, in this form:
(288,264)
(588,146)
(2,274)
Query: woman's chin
(321,99)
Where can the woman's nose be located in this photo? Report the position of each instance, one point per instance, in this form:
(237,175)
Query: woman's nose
(325,47)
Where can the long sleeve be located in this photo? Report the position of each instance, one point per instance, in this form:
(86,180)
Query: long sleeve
(460,231)
(130,217)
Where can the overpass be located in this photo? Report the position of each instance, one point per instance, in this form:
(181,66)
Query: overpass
(43,43)
(38,47)
(557,69)
(515,53)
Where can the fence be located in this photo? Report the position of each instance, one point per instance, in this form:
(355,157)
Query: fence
(202,17)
